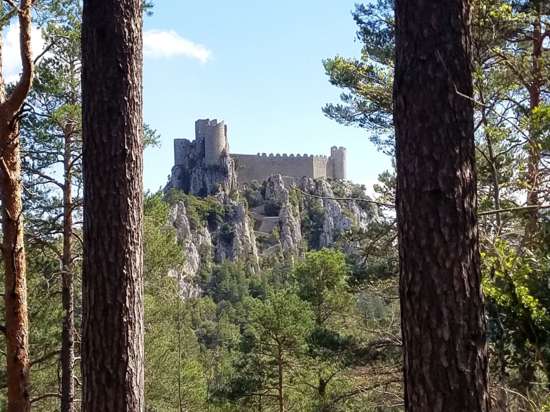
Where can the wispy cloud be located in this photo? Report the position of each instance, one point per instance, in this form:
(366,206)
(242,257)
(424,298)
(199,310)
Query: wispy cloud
(10,51)
(162,44)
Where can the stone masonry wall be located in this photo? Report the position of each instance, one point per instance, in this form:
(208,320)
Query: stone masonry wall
(206,162)
(259,167)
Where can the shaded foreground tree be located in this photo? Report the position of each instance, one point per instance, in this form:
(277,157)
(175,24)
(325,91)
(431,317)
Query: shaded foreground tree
(112,340)
(13,251)
(443,324)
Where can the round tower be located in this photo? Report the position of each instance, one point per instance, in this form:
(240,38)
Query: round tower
(215,140)
(338,160)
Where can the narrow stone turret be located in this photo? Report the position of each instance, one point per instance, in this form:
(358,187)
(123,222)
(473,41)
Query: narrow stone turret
(203,166)
(338,162)
(214,134)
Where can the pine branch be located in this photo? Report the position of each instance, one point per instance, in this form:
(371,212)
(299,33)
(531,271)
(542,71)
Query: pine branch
(46,396)
(354,199)
(484,213)
(15,100)
(514,209)
(44,357)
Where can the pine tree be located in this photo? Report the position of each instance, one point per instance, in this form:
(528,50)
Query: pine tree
(443,323)
(112,341)
(52,137)
(13,250)
(279,326)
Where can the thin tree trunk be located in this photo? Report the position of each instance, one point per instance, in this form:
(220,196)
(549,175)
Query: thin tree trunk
(533,160)
(495,181)
(112,342)
(443,324)
(13,251)
(280,389)
(67,289)
(493,164)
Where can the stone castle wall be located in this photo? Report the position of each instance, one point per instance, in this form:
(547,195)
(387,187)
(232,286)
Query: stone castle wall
(320,166)
(211,149)
(259,167)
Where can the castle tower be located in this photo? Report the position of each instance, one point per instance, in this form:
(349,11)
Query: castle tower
(214,134)
(338,162)
(179,151)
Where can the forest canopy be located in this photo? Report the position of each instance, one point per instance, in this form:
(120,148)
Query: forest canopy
(306,315)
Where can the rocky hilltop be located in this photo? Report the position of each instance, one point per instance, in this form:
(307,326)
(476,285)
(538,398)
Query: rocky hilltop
(259,223)
(193,174)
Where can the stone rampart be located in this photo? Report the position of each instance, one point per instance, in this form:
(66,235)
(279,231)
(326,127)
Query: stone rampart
(210,150)
(262,165)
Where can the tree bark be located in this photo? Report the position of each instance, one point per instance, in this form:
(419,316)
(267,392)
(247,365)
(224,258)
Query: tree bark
(280,387)
(443,323)
(534,150)
(67,288)
(112,344)
(13,250)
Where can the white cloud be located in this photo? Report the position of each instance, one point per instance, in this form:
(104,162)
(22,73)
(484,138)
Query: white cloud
(10,52)
(159,44)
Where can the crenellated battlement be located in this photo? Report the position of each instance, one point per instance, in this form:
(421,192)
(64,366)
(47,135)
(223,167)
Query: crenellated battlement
(289,156)
(211,135)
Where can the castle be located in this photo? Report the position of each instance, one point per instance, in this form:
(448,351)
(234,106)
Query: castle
(211,150)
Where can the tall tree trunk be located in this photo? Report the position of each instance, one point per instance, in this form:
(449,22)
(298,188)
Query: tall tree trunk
(67,289)
(443,324)
(13,251)
(112,341)
(534,154)
(280,387)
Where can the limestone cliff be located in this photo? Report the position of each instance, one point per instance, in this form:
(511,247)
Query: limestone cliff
(278,217)
(329,218)
(294,216)
(276,220)
(196,241)
(234,238)
(213,230)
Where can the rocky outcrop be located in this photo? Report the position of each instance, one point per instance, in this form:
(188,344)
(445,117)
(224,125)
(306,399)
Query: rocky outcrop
(328,218)
(292,216)
(193,242)
(286,218)
(277,198)
(227,236)
(234,239)
(194,176)
(196,242)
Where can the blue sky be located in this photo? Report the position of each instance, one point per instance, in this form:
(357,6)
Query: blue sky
(256,65)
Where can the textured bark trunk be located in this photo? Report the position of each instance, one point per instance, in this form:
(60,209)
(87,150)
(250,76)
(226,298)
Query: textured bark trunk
(443,324)
(112,342)
(13,253)
(67,288)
